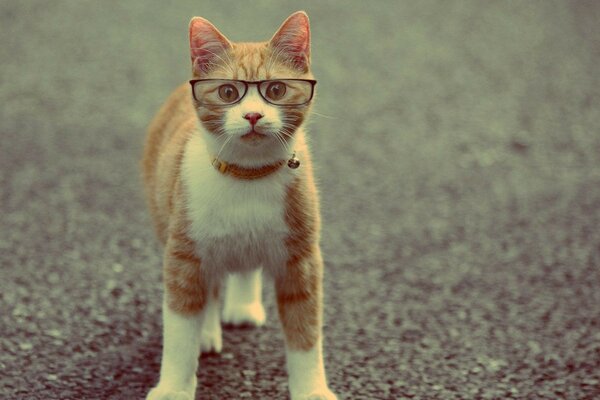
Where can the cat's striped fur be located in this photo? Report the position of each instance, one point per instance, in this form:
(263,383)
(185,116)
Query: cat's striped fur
(214,224)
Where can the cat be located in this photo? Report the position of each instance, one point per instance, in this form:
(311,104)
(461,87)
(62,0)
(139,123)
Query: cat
(230,187)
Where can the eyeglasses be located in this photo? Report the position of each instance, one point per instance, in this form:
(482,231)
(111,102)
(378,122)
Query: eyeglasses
(280,92)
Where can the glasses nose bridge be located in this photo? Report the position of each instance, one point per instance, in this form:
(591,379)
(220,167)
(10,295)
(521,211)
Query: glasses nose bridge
(250,86)
(255,84)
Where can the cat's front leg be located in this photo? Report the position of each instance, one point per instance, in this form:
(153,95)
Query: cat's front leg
(185,306)
(299,301)
(181,348)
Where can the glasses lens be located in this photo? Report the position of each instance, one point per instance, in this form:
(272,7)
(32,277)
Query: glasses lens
(218,91)
(287,92)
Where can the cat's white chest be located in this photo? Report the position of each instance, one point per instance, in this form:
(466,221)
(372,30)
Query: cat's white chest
(238,225)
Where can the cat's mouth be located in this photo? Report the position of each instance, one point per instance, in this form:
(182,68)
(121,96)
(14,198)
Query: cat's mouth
(253,135)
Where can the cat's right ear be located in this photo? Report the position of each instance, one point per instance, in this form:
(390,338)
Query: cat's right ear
(292,40)
(206,43)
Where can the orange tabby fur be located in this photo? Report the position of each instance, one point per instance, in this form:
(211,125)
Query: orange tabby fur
(298,287)
(223,218)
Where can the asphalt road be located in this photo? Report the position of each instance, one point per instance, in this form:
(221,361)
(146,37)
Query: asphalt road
(458,150)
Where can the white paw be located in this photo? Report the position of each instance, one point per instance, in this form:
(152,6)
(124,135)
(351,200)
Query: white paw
(159,393)
(211,340)
(319,394)
(244,314)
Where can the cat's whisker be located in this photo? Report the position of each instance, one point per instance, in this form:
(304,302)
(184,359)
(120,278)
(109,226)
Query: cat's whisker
(290,118)
(223,146)
(215,127)
(323,115)
(286,134)
(286,127)
(276,136)
(289,128)
(288,124)
(282,141)
(217,124)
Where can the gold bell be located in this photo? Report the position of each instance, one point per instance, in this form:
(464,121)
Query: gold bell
(293,162)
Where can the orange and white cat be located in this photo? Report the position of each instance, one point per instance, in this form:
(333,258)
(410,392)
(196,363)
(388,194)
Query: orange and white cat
(230,200)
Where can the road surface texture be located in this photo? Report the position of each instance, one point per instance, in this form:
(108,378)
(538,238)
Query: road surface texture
(458,151)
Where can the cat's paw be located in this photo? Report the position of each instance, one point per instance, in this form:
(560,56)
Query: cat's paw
(244,314)
(211,340)
(320,394)
(159,393)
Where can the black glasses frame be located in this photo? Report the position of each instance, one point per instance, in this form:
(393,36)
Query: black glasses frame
(257,83)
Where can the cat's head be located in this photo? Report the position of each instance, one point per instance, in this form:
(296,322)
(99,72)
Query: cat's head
(252,97)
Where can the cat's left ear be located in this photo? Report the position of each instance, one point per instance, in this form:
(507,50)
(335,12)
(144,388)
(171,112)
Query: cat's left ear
(206,45)
(292,40)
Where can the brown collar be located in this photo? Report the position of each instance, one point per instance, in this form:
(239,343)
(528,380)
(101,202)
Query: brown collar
(240,172)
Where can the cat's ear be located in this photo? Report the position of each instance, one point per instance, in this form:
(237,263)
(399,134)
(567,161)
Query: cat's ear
(292,40)
(206,45)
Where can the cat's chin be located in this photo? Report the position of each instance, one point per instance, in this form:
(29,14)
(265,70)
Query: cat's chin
(254,138)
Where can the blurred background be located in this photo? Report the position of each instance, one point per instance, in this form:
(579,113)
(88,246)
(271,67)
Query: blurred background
(457,147)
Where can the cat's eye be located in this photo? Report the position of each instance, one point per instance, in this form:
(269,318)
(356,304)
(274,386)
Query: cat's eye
(287,92)
(275,90)
(228,93)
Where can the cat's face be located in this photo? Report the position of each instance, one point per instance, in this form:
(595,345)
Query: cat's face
(250,120)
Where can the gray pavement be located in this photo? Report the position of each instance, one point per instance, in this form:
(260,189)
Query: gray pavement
(458,150)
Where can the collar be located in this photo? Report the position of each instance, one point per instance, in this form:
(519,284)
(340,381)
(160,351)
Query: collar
(240,172)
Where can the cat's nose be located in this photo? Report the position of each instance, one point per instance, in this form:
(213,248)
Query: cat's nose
(253,117)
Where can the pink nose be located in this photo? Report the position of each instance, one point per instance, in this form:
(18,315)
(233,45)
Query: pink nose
(253,117)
